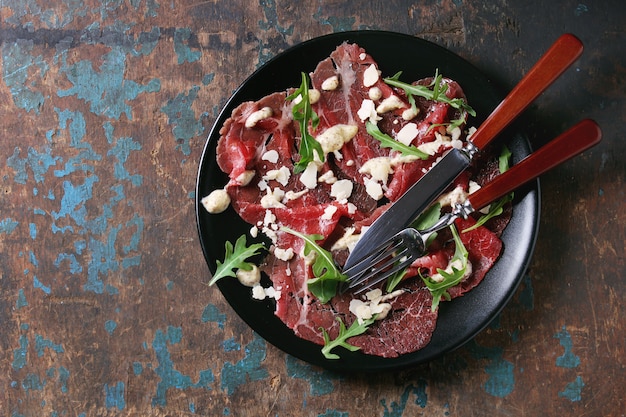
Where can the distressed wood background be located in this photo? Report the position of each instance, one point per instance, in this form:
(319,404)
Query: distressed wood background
(104,309)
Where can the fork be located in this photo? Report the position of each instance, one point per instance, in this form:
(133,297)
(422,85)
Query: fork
(400,251)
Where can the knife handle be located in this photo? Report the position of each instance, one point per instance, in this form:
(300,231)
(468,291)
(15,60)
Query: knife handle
(577,139)
(550,66)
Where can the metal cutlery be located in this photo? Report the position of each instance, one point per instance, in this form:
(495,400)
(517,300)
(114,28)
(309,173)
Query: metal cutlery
(420,195)
(399,251)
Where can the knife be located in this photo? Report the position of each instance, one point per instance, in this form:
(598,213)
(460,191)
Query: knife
(420,195)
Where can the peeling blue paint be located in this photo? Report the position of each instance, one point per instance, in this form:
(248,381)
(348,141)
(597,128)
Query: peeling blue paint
(8,225)
(397,408)
(114,396)
(83,161)
(40,286)
(21,299)
(230,345)
(20,354)
(137,368)
(320,381)
(181,115)
(41,343)
(181,47)
(573,390)
(527,295)
(17,63)
(501,381)
(106,91)
(171,378)
(247,369)
(38,162)
(33,382)
(208,78)
(121,150)
(339,24)
(568,359)
(212,314)
(110,326)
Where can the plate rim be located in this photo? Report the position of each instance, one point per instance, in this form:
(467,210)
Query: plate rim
(531,201)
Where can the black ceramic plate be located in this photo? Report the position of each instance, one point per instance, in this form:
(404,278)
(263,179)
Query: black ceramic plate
(460,319)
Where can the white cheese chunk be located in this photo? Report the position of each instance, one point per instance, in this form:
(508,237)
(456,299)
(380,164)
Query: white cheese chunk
(329,211)
(257,116)
(216,202)
(368,111)
(333,138)
(245,177)
(457,195)
(270,156)
(374,189)
(249,278)
(341,190)
(391,103)
(410,113)
(327,177)
(330,83)
(309,176)
(378,168)
(375,93)
(273,198)
(281,175)
(314,95)
(370,76)
(258,293)
(407,133)
(283,254)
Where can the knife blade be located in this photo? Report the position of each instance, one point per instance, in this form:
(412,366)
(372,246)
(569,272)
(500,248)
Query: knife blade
(420,195)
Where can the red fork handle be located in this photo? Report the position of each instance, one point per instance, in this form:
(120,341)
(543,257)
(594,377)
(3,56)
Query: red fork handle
(550,66)
(577,139)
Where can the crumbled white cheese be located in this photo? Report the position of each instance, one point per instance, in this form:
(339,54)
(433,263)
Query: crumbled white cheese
(374,304)
(249,278)
(455,133)
(374,189)
(270,156)
(245,177)
(272,292)
(273,198)
(262,185)
(370,76)
(254,231)
(368,111)
(392,102)
(283,254)
(473,187)
(457,264)
(257,116)
(341,190)
(293,195)
(457,195)
(333,138)
(375,93)
(216,202)
(269,218)
(329,211)
(362,56)
(327,177)
(330,83)
(351,208)
(378,168)
(281,175)
(347,241)
(407,133)
(309,176)
(314,95)
(350,163)
(470,132)
(410,113)
(310,258)
(258,293)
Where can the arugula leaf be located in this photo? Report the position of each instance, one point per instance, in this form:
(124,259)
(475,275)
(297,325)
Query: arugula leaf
(496,208)
(387,141)
(436,91)
(327,275)
(440,289)
(304,113)
(235,258)
(344,334)
(425,220)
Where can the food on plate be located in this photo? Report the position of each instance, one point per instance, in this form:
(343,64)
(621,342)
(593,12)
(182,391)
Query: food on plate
(311,168)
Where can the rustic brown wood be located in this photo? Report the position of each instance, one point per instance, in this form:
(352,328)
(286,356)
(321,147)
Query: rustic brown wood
(104,307)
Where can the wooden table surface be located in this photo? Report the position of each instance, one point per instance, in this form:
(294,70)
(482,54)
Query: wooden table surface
(104,308)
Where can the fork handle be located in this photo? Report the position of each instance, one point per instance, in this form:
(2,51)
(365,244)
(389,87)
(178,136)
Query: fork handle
(577,139)
(563,53)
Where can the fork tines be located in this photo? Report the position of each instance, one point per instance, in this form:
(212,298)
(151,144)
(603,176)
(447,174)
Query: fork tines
(385,261)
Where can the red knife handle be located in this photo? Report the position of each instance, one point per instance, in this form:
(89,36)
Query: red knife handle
(577,139)
(550,66)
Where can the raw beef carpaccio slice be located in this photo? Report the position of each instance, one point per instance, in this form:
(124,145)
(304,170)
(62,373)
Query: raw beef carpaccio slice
(252,157)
